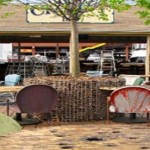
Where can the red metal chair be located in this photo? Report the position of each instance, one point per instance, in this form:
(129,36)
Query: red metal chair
(130,99)
(35,99)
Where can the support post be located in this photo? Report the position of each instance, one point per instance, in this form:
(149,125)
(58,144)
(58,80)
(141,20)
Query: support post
(19,52)
(127,52)
(147,61)
(57,50)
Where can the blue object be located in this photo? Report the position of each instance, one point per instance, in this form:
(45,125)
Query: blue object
(12,79)
(94,73)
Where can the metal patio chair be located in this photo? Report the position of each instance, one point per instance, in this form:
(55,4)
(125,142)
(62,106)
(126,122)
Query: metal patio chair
(38,98)
(130,99)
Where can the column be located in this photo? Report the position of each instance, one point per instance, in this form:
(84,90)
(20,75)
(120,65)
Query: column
(147,61)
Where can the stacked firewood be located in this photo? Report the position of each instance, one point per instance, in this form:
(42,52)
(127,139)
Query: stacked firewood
(80,99)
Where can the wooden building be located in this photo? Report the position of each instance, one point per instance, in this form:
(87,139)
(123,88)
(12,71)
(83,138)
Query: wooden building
(127,28)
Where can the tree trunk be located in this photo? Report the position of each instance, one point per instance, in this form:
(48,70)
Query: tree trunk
(74,50)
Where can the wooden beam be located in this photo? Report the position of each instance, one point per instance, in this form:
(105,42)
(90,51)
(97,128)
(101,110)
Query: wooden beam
(127,52)
(64,39)
(19,55)
(57,50)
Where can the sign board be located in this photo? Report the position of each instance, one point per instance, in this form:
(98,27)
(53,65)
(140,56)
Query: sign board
(45,16)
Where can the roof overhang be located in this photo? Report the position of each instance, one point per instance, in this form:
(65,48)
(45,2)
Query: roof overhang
(83,38)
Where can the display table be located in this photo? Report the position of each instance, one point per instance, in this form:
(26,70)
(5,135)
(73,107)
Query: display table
(12,89)
(132,64)
(109,88)
(112,88)
(91,64)
(134,67)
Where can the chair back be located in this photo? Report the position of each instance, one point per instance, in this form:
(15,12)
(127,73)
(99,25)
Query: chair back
(36,99)
(131,99)
(12,79)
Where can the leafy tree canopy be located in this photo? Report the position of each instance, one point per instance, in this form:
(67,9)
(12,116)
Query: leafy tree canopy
(77,9)
(145,10)
(4,2)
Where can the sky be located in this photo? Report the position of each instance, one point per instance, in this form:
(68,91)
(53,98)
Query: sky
(132,2)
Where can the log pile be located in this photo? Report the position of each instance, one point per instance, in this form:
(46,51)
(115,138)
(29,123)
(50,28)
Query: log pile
(80,99)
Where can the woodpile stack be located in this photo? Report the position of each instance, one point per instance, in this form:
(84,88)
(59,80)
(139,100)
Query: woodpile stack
(80,99)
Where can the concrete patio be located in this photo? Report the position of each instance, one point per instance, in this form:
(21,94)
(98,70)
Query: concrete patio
(79,136)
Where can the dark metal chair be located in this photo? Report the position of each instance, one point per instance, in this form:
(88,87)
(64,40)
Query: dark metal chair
(34,99)
(130,99)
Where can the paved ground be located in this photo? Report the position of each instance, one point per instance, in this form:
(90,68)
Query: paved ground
(92,136)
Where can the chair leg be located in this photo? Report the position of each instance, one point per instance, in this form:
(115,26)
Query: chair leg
(18,117)
(147,115)
(7,107)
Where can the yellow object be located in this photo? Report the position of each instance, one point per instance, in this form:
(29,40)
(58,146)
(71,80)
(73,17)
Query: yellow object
(93,47)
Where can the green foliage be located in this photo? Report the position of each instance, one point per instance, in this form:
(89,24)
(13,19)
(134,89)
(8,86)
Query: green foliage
(4,2)
(144,12)
(7,14)
(119,5)
(78,9)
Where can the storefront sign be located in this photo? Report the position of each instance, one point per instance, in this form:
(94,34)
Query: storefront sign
(45,16)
